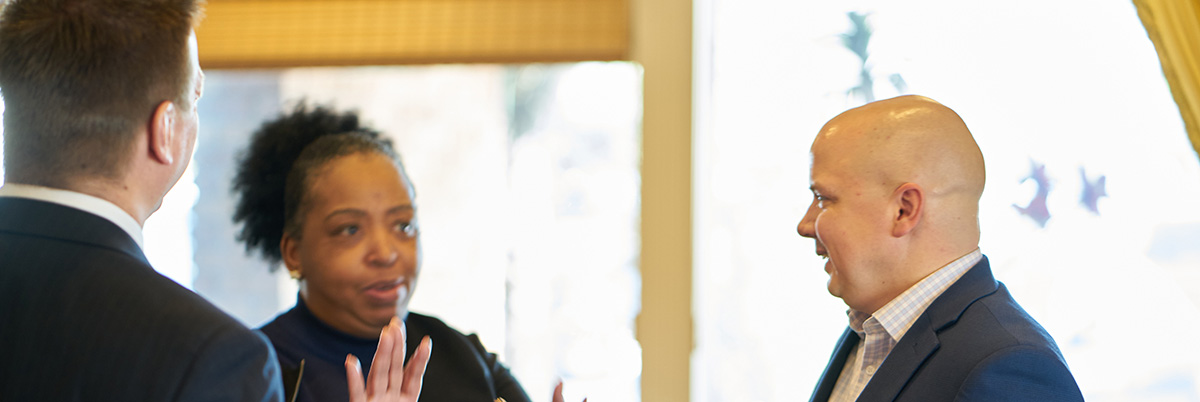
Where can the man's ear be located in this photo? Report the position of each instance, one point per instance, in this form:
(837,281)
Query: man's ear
(162,133)
(909,203)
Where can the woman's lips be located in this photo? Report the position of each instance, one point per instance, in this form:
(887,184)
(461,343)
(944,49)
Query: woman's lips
(386,292)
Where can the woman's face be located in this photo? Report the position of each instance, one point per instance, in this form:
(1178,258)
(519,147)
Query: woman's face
(358,253)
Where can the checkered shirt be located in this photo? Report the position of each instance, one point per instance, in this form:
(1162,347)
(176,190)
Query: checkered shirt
(880,331)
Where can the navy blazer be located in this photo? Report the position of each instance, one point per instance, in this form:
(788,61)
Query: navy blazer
(973,343)
(83,317)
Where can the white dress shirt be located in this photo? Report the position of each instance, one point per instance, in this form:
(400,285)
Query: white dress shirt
(90,204)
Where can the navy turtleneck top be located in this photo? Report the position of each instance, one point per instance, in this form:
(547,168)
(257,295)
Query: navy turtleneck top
(460,369)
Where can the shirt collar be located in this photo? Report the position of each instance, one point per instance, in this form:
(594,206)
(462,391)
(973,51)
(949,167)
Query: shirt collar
(87,203)
(898,315)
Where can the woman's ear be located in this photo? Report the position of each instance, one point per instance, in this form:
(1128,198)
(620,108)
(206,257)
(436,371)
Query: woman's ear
(289,248)
(909,203)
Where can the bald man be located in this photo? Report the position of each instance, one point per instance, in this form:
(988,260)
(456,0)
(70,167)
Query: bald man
(896,186)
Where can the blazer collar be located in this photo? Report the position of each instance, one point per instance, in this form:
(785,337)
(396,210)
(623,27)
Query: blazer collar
(50,220)
(834,369)
(922,339)
(973,285)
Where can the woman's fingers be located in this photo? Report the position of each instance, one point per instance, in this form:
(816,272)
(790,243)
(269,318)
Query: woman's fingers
(558,397)
(390,379)
(354,378)
(377,383)
(414,372)
(396,370)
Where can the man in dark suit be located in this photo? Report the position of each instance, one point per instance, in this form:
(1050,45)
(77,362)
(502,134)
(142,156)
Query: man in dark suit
(100,122)
(896,187)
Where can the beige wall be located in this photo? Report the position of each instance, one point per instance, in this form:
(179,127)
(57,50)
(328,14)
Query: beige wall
(662,43)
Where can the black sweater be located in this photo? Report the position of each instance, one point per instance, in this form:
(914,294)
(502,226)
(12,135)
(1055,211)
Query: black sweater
(460,369)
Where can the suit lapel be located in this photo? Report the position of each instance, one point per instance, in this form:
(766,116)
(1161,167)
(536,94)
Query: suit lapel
(49,220)
(834,369)
(897,369)
(921,340)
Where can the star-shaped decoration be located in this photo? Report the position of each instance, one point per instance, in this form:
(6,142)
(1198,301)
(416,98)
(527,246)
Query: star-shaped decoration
(1037,209)
(1092,192)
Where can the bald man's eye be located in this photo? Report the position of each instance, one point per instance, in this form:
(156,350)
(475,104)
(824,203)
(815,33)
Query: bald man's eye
(821,200)
(406,229)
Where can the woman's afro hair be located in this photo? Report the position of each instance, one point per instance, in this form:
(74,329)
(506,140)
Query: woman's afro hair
(263,170)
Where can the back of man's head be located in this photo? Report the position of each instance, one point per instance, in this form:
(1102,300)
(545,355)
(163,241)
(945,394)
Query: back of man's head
(81,77)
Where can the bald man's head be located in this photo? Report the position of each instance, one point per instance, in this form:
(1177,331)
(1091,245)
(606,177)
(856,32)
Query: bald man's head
(896,187)
(906,139)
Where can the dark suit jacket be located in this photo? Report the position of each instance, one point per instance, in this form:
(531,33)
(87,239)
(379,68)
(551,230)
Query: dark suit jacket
(973,343)
(83,317)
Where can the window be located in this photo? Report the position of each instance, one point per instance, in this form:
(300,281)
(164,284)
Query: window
(528,190)
(1069,93)
(527,187)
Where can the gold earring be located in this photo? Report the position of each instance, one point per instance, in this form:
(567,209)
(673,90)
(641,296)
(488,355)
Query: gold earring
(295,274)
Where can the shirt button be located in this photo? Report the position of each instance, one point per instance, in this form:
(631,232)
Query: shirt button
(870,370)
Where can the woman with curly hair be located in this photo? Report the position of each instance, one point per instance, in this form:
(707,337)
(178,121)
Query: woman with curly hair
(330,199)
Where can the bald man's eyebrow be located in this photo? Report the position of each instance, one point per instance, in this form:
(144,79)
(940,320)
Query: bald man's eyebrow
(820,192)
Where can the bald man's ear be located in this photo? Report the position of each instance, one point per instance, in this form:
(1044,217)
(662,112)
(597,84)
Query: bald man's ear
(909,204)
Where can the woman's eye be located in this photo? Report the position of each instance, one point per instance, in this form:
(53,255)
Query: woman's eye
(348,230)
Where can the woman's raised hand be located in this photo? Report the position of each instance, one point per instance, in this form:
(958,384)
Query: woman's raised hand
(390,380)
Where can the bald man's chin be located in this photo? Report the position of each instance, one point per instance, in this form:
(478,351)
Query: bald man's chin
(832,284)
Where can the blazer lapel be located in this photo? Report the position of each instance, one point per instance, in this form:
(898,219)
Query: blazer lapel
(913,349)
(834,369)
(921,340)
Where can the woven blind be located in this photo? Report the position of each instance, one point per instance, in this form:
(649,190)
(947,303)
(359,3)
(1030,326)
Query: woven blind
(290,33)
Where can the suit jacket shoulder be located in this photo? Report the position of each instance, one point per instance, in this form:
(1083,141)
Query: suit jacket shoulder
(974,342)
(87,318)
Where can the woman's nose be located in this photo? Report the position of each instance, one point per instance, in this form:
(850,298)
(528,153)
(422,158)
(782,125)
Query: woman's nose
(383,252)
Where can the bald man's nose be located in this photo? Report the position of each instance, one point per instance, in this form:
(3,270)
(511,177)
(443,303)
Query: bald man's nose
(807,226)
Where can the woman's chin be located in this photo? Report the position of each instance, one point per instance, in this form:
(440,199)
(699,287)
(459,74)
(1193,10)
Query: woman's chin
(380,318)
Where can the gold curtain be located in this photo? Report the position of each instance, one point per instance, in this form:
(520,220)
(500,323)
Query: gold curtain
(1174,27)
